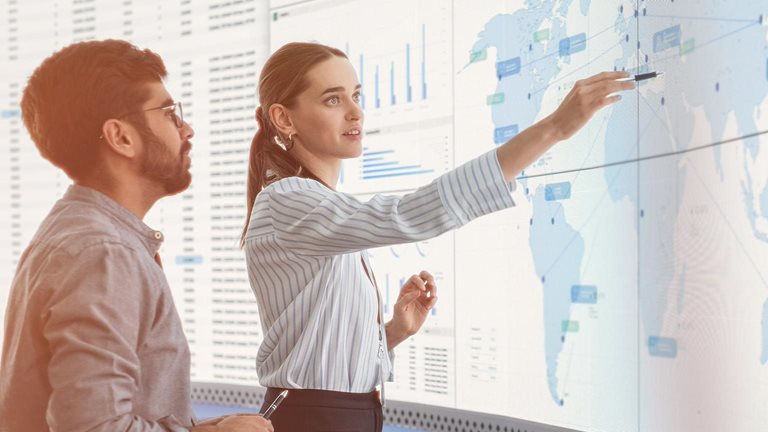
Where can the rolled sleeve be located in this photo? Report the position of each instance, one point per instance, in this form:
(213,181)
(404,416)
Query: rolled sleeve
(475,189)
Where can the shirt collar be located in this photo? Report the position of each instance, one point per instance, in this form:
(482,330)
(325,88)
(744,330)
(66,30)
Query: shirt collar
(150,238)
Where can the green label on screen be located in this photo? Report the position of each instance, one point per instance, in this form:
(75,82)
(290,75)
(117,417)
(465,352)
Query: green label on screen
(476,56)
(687,46)
(570,326)
(495,98)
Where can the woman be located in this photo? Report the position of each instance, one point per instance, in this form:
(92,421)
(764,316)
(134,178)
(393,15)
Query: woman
(306,243)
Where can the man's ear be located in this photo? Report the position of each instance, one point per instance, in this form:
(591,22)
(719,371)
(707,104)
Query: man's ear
(119,137)
(281,119)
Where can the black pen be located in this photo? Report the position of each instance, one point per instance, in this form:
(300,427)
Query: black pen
(645,76)
(273,406)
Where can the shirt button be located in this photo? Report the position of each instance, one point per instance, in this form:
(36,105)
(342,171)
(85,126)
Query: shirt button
(158,235)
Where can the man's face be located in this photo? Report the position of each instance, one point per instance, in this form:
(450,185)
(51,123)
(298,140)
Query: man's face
(165,149)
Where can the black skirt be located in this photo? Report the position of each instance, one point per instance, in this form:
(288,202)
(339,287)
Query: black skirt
(325,411)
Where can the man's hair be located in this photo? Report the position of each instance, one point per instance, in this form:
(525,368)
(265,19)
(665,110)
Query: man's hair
(74,91)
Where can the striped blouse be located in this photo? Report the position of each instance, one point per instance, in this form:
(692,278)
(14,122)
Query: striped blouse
(305,249)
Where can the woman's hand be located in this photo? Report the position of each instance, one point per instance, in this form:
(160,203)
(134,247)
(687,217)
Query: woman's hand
(585,98)
(417,297)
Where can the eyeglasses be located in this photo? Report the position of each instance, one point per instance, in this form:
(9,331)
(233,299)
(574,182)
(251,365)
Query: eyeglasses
(175,110)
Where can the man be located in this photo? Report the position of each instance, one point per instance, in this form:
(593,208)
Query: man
(93,341)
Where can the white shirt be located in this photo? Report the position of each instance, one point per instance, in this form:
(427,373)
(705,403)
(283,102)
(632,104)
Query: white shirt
(317,306)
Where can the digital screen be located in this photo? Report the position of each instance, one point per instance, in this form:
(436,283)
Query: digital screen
(627,290)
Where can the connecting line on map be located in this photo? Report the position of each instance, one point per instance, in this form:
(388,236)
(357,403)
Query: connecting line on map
(711,196)
(557,52)
(591,215)
(562,78)
(727,221)
(576,232)
(645,158)
(709,42)
(603,124)
(546,56)
(701,18)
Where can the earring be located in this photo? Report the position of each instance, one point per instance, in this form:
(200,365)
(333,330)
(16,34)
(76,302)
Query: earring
(289,146)
(279,142)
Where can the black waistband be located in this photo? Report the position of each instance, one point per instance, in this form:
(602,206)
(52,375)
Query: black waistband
(325,398)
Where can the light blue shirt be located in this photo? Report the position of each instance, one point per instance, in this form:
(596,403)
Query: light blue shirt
(92,337)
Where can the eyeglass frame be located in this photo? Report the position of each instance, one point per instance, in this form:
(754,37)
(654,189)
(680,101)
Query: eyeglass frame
(178,120)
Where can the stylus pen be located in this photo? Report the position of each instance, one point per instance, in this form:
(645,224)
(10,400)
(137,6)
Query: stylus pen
(645,76)
(275,403)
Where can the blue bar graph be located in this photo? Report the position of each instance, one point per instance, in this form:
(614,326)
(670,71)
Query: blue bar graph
(386,294)
(378,164)
(392,83)
(423,62)
(362,79)
(383,164)
(394,68)
(408,92)
(377,101)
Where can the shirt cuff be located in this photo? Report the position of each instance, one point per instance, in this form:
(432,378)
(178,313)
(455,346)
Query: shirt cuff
(172,425)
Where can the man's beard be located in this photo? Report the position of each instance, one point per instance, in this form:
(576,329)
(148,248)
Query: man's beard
(159,164)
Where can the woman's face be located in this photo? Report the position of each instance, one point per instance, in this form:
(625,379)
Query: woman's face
(327,116)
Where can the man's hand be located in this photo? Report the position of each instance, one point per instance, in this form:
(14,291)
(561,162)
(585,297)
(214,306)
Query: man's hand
(236,423)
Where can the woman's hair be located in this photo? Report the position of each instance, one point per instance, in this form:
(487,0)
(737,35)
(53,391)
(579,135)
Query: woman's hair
(282,80)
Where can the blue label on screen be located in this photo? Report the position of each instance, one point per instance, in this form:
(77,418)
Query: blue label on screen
(508,67)
(667,38)
(504,134)
(557,191)
(662,347)
(10,114)
(573,44)
(189,259)
(584,294)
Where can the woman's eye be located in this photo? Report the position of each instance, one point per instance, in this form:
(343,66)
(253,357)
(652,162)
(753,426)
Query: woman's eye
(356,97)
(333,100)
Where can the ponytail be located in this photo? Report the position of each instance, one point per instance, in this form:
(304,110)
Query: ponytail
(267,162)
(282,79)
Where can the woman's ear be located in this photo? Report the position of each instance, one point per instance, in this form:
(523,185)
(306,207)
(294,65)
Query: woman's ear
(118,137)
(281,119)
